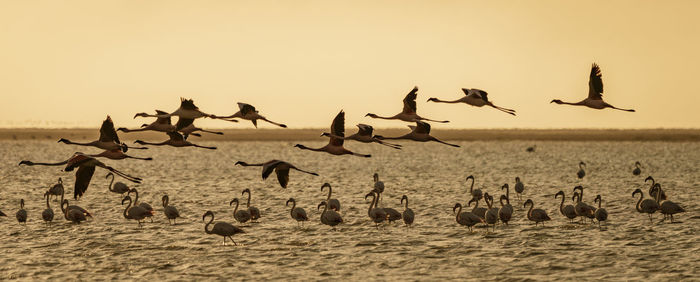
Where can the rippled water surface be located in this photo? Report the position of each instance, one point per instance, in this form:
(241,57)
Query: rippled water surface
(433,177)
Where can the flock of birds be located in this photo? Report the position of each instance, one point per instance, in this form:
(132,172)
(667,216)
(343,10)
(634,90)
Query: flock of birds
(178,135)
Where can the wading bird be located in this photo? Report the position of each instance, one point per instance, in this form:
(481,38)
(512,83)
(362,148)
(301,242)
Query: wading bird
(254,212)
(221,228)
(491,216)
(135,212)
(176,140)
(568,211)
(47,214)
(145,206)
(600,214)
(519,188)
(407,214)
(57,189)
(536,215)
(667,208)
(475,193)
(377,215)
(652,191)
(170,212)
(241,216)
(420,132)
(329,217)
(248,112)
(297,213)
(506,211)
(581,170)
(467,219)
(335,145)
(118,188)
(21,214)
(595,93)
(378,186)
(281,169)
(647,206)
(333,204)
(409,110)
(637,170)
(474,97)
(364,135)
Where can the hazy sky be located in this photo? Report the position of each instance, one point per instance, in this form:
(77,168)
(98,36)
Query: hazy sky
(69,63)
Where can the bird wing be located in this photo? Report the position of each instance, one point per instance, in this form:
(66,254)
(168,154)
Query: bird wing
(165,120)
(595,83)
(182,123)
(409,103)
(338,129)
(187,104)
(482,93)
(82,180)
(107,132)
(422,127)
(268,167)
(246,108)
(282,176)
(365,130)
(175,136)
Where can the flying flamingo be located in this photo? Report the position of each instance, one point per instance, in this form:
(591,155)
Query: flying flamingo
(364,135)
(176,140)
(186,113)
(86,168)
(335,145)
(221,228)
(409,110)
(474,97)
(281,169)
(109,140)
(420,132)
(164,124)
(249,112)
(595,93)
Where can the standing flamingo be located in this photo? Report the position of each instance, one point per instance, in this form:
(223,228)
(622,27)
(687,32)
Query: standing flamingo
(281,169)
(667,208)
(57,189)
(297,213)
(582,209)
(519,188)
(536,215)
(581,172)
(333,204)
(568,211)
(170,212)
(409,110)
(145,206)
(491,216)
(248,112)
(467,219)
(119,187)
(254,212)
(637,170)
(137,213)
(21,214)
(335,145)
(420,132)
(364,135)
(375,214)
(600,214)
(652,191)
(407,214)
(241,216)
(595,93)
(221,228)
(475,193)
(329,217)
(378,186)
(474,97)
(647,206)
(506,211)
(47,214)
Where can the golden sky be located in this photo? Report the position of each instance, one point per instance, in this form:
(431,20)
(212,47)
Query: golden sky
(70,63)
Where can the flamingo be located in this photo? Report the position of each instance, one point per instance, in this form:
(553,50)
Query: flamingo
(109,140)
(392,214)
(506,211)
(221,228)
(600,214)
(297,213)
(176,140)
(582,209)
(491,216)
(652,191)
(57,189)
(249,112)
(667,208)
(143,205)
(568,211)
(637,170)
(333,204)
(164,124)
(364,135)
(536,215)
(86,168)
(329,217)
(47,214)
(467,219)
(137,213)
(595,93)
(475,193)
(119,187)
(474,97)
(375,214)
(117,155)
(480,212)
(409,110)
(241,216)
(170,212)
(254,212)
(581,172)
(647,206)
(378,186)
(76,214)
(519,188)
(186,113)
(21,214)
(407,214)
(281,169)
(420,132)
(335,145)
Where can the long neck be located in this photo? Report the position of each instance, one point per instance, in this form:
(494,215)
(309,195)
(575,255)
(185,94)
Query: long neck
(529,212)
(459,212)
(658,193)
(30,163)
(406,206)
(436,100)
(507,192)
(325,207)
(135,130)
(291,211)
(471,187)
(206,226)
(641,196)
(47,202)
(63,192)
(322,149)
(127,208)
(63,209)
(165,202)
(371,205)
(136,198)
(600,202)
(330,191)
(561,206)
(247,204)
(236,208)
(81,144)
(111,188)
(154,144)
(572,104)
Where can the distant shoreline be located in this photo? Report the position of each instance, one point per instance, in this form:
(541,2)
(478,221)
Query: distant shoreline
(82,134)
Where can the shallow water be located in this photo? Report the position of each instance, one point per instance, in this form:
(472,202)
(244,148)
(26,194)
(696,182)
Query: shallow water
(433,177)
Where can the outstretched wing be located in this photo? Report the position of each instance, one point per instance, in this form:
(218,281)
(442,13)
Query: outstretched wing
(246,108)
(338,129)
(365,130)
(283,176)
(409,103)
(165,120)
(476,92)
(175,136)
(187,104)
(82,180)
(182,123)
(595,83)
(269,167)
(422,127)
(107,132)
